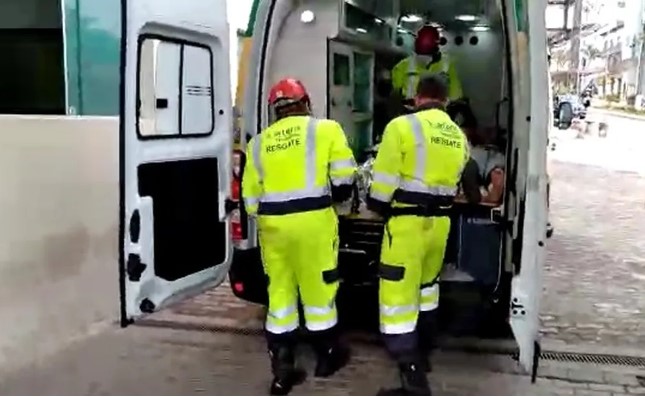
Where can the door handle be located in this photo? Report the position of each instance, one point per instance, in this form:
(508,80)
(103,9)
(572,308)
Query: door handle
(333,102)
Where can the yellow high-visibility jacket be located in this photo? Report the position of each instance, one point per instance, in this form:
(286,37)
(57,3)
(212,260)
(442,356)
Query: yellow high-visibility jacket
(296,165)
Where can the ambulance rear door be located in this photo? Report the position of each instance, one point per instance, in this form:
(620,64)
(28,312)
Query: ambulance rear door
(526,287)
(175,152)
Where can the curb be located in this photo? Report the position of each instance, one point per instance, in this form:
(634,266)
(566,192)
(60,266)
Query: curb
(619,114)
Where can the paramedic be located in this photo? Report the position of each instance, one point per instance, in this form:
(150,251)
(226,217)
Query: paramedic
(427,59)
(416,173)
(296,169)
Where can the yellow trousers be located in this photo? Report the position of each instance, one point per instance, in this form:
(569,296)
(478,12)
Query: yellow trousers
(411,262)
(299,253)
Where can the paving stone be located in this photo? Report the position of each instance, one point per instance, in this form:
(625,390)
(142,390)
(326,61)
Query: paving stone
(638,391)
(607,387)
(617,378)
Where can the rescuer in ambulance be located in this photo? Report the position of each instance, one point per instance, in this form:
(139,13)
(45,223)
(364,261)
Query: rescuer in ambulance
(415,177)
(295,171)
(427,59)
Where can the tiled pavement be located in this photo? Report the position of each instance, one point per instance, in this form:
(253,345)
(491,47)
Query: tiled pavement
(593,298)
(155,361)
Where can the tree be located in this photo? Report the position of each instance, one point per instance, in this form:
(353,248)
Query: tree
(590,52)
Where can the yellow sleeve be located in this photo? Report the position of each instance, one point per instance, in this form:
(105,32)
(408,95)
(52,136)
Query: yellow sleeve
(251,184)
(455,91)
(388,163)
(398,75)
(342,165)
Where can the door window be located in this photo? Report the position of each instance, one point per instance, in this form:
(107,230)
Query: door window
(341,70)
(175,89)
(362,82)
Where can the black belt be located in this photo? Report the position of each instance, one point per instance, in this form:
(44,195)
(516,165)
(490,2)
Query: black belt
(294,206)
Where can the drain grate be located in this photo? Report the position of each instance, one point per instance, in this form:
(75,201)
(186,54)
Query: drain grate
(587,358)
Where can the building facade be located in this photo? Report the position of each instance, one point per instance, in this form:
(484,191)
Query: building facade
(611,54)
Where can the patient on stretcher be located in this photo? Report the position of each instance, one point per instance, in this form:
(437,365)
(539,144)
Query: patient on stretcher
(485,169)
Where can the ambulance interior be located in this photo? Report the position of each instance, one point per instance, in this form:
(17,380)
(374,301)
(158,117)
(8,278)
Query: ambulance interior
(354,43)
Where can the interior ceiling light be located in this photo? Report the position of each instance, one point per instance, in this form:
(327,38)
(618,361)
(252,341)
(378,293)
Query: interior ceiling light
(307,16)
(480,28)
(361,30)
(466,18)
(411,18)
(378,21)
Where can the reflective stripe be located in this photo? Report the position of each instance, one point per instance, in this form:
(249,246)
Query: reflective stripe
(401,328)
(250,201)
(380,196)
(429,306)
(394,310)
(420,187)
(281,329)
(321,325)
(445,61)
(319,310)
(342,180)
(275,316)
(310,154)
(256,150)
(417,184)
(277,197)
(410,89)
(342,164)
(386,179)
(428,291)
(308,198)
(421,147)
(282,313)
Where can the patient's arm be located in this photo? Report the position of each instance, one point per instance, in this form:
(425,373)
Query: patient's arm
(495,191)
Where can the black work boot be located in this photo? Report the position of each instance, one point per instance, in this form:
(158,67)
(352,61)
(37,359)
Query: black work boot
(330,353)
(413,382)
(285,373)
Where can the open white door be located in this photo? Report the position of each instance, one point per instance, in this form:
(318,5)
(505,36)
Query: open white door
(175,152)
(526,285)
(341,86)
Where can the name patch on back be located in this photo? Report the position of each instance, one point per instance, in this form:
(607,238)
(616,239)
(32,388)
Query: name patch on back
(439,140)
(284,139)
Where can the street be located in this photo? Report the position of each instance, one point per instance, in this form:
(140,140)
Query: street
(593,302)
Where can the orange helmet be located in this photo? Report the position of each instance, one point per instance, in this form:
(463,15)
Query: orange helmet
(427,41)
(288,91)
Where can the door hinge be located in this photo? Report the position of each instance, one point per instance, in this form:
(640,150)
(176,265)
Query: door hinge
(231,205)
(517,308)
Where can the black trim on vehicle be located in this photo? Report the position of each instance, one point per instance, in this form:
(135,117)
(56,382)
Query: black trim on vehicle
(265,45)
(247,269)
(182,43)
(122,271)
(511,158)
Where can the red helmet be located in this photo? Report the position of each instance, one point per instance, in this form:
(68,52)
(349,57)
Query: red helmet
(288,91)
(427,40)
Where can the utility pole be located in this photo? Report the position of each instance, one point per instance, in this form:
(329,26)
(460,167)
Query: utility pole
(574,76)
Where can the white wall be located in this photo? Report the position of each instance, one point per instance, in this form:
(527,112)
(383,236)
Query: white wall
(58,234)
(23,14)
